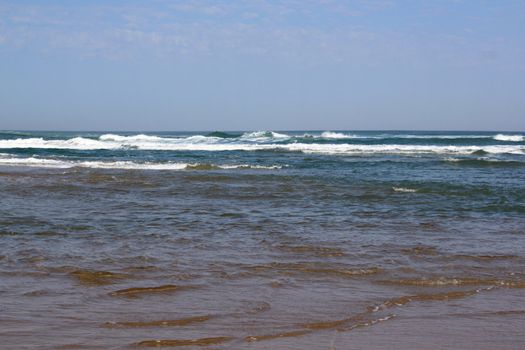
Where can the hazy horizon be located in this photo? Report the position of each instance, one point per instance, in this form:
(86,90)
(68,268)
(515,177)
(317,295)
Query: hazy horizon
(266,65)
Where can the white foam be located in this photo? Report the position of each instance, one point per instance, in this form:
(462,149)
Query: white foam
(404,189)
(512,138)
(35,162)
(141,137)
(250,143)
(74,143)
(277,135)
(452,159)
(130,165)
(126,165)
(147,139)
(262,136)
(269,167)
(445,137)
(335,135)
(485,159)
(399,149)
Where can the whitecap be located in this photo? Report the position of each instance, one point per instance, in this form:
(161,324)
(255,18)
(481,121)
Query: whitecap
(277,135)
(404,189)
(263,167)
(35,162)
(253,142)
(350,149)
(512,138)
(263,136)
(128,165)
(140,137)
(78,143)
(429,136)
(125,165)
(335,135)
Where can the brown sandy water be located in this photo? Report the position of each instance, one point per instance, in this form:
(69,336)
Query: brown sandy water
(103,259)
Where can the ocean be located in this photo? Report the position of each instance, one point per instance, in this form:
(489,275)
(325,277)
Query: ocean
(262,240)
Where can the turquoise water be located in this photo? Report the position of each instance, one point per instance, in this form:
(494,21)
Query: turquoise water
(290,240)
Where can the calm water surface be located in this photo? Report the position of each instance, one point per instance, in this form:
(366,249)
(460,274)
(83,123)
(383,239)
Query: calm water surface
(289,240)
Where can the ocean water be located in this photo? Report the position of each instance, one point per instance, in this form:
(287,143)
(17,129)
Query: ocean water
(262,240)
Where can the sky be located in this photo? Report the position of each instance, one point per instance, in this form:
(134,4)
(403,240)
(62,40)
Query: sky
(164,65)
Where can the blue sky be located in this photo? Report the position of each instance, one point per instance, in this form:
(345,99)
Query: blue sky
(260,64)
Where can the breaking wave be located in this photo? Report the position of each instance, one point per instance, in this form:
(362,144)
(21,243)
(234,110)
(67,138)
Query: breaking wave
(336,135)
(512,138)
(263,136)
(141,137)
(125,165)
(257,141)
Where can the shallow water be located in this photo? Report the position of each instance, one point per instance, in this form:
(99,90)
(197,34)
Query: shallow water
(262,241)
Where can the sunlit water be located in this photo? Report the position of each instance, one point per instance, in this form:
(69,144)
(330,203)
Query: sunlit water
(354,240)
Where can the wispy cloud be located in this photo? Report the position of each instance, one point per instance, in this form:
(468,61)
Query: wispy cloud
(367,32)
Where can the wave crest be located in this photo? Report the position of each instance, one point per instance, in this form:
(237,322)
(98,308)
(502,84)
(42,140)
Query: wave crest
(257,141)
(335,135)
(140,137)
(263,136)
(512,138)
(125,165)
